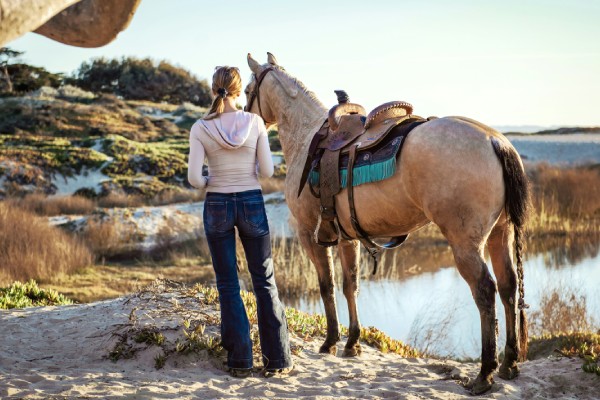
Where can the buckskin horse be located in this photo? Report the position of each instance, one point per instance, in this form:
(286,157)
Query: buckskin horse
(460,174)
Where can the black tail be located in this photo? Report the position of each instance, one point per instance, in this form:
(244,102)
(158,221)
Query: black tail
(517,206)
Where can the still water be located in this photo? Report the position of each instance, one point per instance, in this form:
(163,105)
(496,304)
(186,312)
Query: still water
(439,304)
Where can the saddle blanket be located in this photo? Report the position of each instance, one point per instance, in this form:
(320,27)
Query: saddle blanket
(374,163)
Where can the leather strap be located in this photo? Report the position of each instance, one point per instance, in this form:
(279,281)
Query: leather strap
(372,247)
(336,229)
(255,94)
(312,148)
(329,184)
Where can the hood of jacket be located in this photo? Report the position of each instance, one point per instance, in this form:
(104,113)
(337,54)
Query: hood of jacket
(230,130)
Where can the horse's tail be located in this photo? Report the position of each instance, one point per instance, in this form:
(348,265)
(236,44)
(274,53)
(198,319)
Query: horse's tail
(517,204)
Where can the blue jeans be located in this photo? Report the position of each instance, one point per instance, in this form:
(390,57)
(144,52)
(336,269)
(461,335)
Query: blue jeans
(246,211)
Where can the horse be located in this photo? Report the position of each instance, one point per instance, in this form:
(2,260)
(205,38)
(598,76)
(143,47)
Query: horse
(455,172)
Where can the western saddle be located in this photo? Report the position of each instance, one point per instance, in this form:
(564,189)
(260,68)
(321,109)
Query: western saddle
(349,132)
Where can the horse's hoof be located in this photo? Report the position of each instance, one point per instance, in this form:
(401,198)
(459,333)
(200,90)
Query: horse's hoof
(508,373)
(480,385)
(328,348)
(353,351)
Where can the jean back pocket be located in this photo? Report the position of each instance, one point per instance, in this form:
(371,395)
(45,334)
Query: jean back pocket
(215,214)
(255,214)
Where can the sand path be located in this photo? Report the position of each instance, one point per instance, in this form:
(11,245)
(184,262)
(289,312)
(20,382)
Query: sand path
(61,352)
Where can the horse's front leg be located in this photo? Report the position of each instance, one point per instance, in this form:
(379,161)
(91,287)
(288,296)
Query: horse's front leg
(350,258)
(323,261)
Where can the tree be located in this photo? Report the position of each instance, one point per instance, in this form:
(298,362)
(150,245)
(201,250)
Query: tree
(26,78)
(143,79)
(6,54)
(98,75)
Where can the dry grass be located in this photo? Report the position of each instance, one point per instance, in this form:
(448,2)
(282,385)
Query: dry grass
(296,277)
(561,310)
(171,249)
(50,206)
(294,273)
(566,201)
(563,326)
(120,200)
(173,196)
(430,331)
(100,282)
(567,192)
(31,249)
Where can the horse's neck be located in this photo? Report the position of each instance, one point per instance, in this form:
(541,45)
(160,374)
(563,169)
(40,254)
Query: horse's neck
(298,122)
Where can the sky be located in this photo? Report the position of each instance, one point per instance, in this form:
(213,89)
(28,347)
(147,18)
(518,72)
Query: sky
(514,62)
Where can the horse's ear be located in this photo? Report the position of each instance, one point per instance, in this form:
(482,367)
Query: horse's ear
(271,59)
(253,64)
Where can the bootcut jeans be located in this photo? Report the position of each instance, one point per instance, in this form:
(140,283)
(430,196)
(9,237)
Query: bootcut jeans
(246,211)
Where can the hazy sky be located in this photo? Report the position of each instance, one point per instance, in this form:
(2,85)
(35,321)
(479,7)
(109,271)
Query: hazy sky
(512,62)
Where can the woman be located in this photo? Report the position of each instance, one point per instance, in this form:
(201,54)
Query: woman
(234,142)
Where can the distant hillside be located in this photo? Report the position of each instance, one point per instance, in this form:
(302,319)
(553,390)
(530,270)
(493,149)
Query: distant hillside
(521,128)
(556,131)
(66,139)
(564,131)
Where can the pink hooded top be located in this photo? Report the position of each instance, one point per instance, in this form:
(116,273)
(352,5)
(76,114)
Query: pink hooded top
(234,143)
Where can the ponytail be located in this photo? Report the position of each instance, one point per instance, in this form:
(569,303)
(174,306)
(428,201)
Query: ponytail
(216,109)
(226,82)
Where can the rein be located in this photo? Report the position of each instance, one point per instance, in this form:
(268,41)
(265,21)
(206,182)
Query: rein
(255,94)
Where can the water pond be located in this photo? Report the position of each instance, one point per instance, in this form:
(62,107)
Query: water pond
(433,308)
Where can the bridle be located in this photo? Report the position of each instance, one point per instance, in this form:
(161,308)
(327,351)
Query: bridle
(255,94)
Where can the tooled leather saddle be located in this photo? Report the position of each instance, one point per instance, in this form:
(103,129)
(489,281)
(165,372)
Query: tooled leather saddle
(348,135)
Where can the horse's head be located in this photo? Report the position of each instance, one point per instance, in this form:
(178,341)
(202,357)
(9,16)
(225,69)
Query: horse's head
(269,89)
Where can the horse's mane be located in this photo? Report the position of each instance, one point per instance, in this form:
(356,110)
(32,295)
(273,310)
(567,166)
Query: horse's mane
(311,95)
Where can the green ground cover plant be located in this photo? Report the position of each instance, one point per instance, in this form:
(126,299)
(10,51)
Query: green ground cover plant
(29,294)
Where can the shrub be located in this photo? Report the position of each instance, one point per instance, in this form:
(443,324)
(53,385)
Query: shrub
(32,249)
(106,238)
(562,310)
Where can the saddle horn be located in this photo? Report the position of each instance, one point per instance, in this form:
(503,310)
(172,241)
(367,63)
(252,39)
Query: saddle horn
(344,107)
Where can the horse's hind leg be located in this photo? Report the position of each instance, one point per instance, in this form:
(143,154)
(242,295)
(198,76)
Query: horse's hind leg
(322,259)
(500,245)
(350,258)
(471,265)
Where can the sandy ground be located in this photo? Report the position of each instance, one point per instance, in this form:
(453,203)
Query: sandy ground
(61,352)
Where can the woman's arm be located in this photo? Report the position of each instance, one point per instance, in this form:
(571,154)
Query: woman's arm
(263,151)
(196,159)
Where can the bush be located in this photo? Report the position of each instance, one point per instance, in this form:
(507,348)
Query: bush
(32,249)
(21,295)
(106,238)
(562,310)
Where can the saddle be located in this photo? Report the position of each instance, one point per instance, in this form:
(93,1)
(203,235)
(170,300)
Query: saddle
(348,134)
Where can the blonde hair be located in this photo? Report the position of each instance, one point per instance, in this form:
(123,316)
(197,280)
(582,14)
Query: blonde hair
(226,82)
